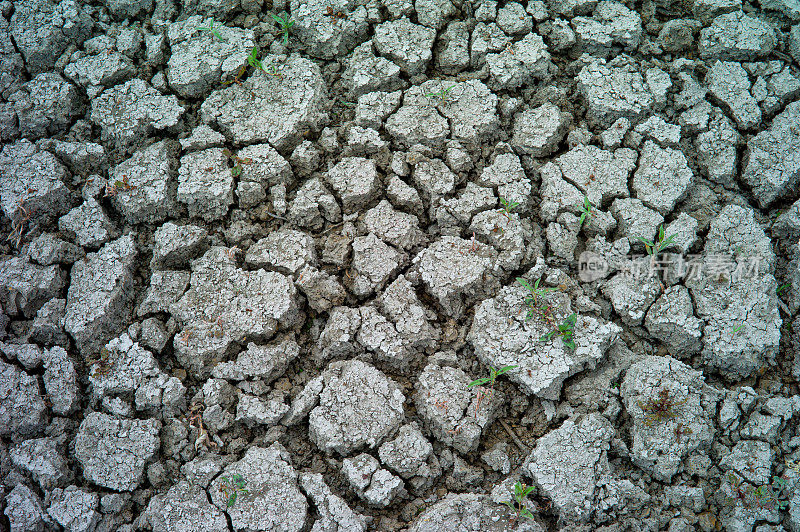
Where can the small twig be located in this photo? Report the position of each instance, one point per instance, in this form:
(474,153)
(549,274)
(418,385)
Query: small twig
(331,228)
(276,216)
(473,248)
(784,308)
(18,225)
(479,397)
(783,56)
(510,431)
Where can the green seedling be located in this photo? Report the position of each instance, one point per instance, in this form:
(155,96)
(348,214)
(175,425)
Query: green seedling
(737,329)
(534,304)
(255,62)
(285,24)
(586,211)
(253,59)
(237,161)
(654,248)
(212,30)
(119,185)
(741,491)
(493,374)
(508,207)
(659,408)
(443,94)
(782,288)
(490,380)
(272,70)
(772,496)
(534,297)
(517,503)
(231,488)
(566,331)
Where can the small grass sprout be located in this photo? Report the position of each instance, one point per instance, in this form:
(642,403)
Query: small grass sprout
(237,161)
(212,30)
(273,71)
(534,297)
(566,331)
(493,374)
(285,24)
(587,211)
(782,288)
(660,408)
(231,488)
(255,62)
(508,207)
(738,328)
(654,248)
(517,503)
(490,380)
(253,59)
(443,94)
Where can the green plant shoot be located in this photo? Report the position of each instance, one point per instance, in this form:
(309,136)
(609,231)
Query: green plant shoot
(654,248)
(586,211)
(534,295)
(508,207)
(212,30)
(517,504)
(253,59)
(442,94)
(285,24)
(659,408)
(493,374)
(231,488)
(566,331)
(237,161)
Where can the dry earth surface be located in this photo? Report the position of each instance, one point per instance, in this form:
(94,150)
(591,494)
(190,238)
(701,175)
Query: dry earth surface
(249,277)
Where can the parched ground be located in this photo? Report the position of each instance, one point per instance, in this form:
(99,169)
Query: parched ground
(388,268)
